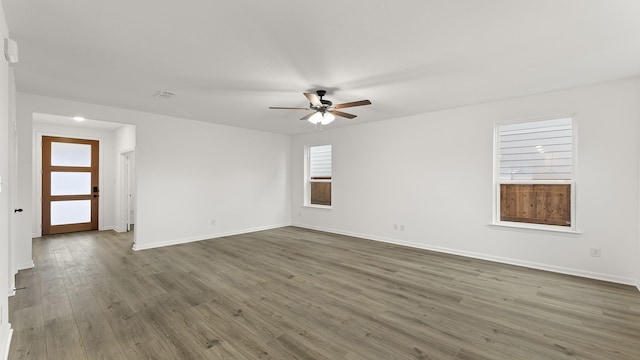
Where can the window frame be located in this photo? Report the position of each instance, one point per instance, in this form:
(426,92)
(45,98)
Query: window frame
(308,180)
(572,182)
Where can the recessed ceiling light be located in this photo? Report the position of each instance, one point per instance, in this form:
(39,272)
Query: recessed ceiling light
(78,118)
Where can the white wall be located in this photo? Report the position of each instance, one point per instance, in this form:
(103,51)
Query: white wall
(433,173)
(190,173)
(106,175)
(5,203)
(125,138)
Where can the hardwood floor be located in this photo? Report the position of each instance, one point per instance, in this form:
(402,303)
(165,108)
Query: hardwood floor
(292,293)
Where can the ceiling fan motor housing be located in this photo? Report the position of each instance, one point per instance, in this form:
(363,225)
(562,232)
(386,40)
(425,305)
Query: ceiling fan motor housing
(325,103)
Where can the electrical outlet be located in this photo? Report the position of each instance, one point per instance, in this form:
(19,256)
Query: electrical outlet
(596,252)
(395,227)
(213,222)
(402,227)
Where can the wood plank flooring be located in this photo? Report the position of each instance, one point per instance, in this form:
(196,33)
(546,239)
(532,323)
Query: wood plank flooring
(292,293)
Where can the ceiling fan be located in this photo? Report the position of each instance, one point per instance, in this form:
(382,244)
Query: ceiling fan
(324,111)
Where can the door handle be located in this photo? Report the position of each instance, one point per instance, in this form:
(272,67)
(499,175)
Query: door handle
(17,210)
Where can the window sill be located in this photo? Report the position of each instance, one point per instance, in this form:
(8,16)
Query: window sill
(325,207)
(534,227)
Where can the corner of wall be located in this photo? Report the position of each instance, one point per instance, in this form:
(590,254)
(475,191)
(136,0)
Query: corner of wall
(8,342)
(26,265)
(638,194)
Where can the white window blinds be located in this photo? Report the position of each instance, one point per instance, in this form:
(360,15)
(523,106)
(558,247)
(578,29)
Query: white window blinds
(320,162)
(539,150)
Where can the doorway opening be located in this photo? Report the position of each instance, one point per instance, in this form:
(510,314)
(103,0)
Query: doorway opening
(114,140)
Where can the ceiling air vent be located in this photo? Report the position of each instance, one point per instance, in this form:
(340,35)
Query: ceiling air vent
(164,94)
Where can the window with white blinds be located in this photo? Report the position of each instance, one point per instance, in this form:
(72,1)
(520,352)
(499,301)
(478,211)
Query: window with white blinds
(318,189)
(320,162)
(539,150)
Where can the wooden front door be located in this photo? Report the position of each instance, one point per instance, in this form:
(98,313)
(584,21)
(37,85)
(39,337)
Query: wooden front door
(69,185)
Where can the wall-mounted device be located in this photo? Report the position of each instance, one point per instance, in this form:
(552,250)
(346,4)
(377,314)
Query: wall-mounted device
(11,50)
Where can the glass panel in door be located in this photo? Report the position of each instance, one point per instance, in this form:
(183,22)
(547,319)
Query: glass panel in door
(70,212)
(69,154)
(70,183)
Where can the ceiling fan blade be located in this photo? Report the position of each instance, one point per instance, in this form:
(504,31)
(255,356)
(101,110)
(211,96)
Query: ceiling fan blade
(306,117)
(342,114)
(313,99)
(287,108)
(352,104)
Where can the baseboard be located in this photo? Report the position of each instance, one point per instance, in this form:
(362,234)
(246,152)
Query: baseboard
(138,247)
(8,343)
(35,235)
(12,293)
(118,229)
(509,261)
(25,266)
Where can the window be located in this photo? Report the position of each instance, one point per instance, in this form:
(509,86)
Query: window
(319,175)
(535,179)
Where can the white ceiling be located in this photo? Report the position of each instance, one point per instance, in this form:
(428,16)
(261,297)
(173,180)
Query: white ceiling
(69,121)
(228,61)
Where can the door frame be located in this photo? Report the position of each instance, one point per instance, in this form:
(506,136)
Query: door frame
(92,196)
(37,200)
(126,185)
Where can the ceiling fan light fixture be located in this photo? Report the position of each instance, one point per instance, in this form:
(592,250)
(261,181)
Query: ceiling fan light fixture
(327,118)
(323,118)
(316,118)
